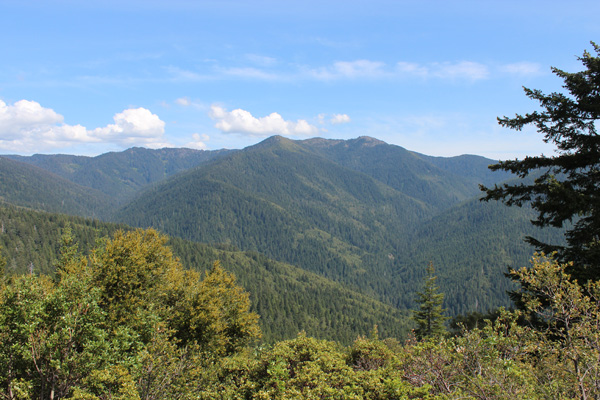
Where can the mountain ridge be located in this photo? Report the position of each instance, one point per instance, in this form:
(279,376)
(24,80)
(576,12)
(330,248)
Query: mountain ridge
(324,206)
(361,212)
(30,186)
(306,193)
(121,174)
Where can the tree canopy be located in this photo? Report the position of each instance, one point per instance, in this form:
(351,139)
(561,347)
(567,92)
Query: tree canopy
(128,322)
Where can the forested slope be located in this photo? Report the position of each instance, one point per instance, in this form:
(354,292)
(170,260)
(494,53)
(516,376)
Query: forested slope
(360,212)
(281,200)
(121,174)
(323,206)
(471,246)
(410,173)
(29,186)
(287,298)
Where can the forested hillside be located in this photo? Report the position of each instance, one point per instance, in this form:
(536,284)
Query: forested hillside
(472,246)
(128,321)
(33,187)
(121,174)
(437,181)
(360,212)
(279,199)
(287,298)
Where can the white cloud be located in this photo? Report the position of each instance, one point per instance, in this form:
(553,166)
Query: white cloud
(366,69)
(409,68)
(198,141)
(350,70)
(249,72)
(183,101)
(27,127)
(268,69)
(340,119)
(446,70)
(25,115)
(522,68)
(461,70)
(242,121)
(133,126)
(359,68)
(263,61)
(187,102)
(182,75)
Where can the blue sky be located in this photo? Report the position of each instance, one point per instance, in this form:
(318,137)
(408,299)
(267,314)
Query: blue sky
(87,77)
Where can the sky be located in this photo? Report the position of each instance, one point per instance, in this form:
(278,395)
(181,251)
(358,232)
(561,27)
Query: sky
(88,77)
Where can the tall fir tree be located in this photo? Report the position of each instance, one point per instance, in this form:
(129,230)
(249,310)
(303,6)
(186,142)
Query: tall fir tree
(565,191)
(430,316)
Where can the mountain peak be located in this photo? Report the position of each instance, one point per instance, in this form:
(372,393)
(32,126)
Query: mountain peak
(275,141)
(368,141)
(321,142)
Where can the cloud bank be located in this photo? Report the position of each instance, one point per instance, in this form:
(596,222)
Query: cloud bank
(27,127)
(243,122)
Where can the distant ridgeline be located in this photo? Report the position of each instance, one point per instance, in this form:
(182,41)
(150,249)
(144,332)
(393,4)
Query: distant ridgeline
(342,229)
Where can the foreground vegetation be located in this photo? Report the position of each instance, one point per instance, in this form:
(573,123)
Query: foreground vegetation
(129,322)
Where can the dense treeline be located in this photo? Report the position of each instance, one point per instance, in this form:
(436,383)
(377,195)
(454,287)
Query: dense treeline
(481,258)
(288,299)
(30,239)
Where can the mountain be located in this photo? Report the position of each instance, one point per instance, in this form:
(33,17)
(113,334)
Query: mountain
(29,186)
(283,200)
(473,168)
(121,174)
(437,181)
(361,213)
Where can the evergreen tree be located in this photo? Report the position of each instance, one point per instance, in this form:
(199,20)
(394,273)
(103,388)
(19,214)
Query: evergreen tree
(2,263)
(430,315)
(566,190)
